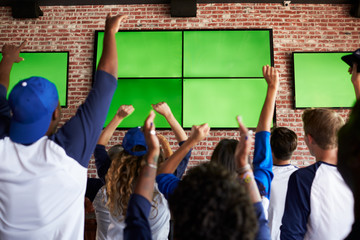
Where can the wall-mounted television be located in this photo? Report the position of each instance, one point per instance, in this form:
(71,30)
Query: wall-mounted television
(50,65)
(322,80)
(195,71)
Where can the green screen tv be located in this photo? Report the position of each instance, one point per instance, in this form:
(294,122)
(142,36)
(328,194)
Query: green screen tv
(322,80)
(154,54)
(187,69)
(218,102)
(50,65)
(226,53)
(141,93)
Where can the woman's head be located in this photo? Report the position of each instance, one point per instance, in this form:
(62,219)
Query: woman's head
(224,154)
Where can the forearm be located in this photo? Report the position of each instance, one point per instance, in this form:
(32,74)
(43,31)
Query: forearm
(247,179)
(109,59)
(267,112)
(109,130)
(5,69)
(146,180)
(170,165)
(179,132)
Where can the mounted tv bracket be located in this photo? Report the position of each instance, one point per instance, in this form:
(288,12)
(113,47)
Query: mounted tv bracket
(26,9)
(183,8)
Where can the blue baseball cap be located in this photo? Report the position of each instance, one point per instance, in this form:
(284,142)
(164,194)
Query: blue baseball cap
(354,57)
(32,102)
(134,137)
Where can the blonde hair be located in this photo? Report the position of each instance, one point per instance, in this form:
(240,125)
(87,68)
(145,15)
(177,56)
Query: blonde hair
(323,126)
(120,181)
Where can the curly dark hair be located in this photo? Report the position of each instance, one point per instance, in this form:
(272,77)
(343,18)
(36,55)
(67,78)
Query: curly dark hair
(283,142)
(210,204)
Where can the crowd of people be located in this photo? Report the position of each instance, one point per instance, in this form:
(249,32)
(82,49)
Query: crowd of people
(141,192)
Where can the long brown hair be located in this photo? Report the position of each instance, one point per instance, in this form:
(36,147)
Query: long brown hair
(120,179)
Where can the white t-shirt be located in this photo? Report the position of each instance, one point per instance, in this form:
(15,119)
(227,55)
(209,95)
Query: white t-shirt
(159,220)
(279,186)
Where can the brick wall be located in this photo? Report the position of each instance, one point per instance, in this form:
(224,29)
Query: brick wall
(300,27)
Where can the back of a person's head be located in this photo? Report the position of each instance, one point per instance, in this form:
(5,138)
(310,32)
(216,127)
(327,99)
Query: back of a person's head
(120,178)
(283,142)
(210,204)
(323,126)
(349,150)
(224,154)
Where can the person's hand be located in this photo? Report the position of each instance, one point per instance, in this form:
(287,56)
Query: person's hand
(243,148)
(271,76)
(162,108)
(151,140)
(198,133)
(11,52)
(112,23)
(125,110)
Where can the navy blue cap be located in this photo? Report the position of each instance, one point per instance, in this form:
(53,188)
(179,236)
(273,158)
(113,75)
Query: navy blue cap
(354,57)
(134,137)
(32,102)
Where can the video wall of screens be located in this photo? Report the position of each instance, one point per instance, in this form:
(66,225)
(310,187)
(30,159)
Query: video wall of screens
(50,65)
(205,76)
(322,80)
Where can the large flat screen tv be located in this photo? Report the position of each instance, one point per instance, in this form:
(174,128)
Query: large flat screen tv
(322,80)
(195,71)
(50,65)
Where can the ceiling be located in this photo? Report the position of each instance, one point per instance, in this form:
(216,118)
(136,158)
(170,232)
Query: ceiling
(121,2)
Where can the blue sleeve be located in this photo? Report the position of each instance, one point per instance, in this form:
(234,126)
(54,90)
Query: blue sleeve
(137,224)
(4,112)
(102,161)
(167,183)
(180,170)
(297,204)
(80,134)
(263,231)
(262,162)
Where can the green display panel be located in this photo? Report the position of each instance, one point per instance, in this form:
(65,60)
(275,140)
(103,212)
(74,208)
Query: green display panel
(50,65)
(226,53)
(141,93)
(219,101)
(154,54)
(322,80)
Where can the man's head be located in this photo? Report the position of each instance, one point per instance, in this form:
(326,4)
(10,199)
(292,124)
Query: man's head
(321,127)
(210,204)
(33,103)
(283,143)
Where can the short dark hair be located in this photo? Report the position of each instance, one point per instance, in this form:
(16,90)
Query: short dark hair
(224,153)
(283,142)
(210,204)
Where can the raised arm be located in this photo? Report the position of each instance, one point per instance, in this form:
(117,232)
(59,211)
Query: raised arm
(109,61)
(137,224)
(145,183)
(163,109)
(106,134)
(271,76)
(243,168)
(198,133)
(10,55)
(355,79)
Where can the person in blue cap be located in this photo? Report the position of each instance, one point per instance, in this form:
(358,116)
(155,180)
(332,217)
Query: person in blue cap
(43,172)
